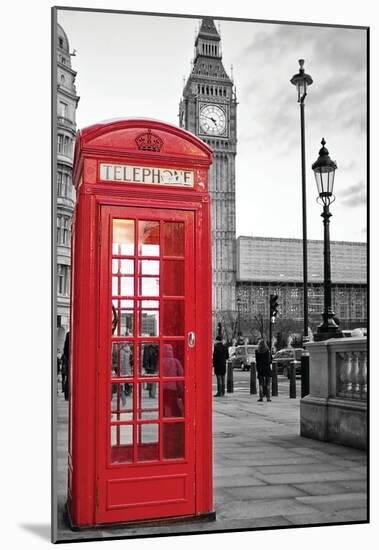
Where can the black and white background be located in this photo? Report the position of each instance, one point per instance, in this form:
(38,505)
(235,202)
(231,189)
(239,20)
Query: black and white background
(25,279)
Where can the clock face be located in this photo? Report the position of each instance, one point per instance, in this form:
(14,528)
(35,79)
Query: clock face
(212,120)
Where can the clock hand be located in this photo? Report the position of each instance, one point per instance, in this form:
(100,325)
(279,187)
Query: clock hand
(212,119)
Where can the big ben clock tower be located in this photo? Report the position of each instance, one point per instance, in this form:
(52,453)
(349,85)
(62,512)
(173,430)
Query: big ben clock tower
(208,109)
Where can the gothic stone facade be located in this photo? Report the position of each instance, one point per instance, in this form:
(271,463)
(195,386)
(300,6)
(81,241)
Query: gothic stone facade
(208,109)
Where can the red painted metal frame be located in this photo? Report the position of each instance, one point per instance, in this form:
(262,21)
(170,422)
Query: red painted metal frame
(116,143)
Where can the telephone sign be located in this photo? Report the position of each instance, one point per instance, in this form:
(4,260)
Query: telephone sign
(143,174)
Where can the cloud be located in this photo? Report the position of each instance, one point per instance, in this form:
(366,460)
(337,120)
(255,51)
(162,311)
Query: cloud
(354,195)
(353,189)
(348,167)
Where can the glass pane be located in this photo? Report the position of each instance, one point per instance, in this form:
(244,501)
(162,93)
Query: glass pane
(149,359)
(148,442)
(149,325)
(173,359)
(123,237)
(149,304)
(148,400)
(173,239)
(122,402)
(122,286)
(149,286)
(124,267)
(148,238)
(121,444)
(173,440)
(149,267)
(173,399)
(122,359)
(173,318)
(122,318)
(173,277)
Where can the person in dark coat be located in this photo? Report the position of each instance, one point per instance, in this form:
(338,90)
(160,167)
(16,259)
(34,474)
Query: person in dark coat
(220,355)
(66,366)
(263,360)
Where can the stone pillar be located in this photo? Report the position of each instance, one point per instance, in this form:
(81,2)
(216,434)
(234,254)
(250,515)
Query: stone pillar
(331,411)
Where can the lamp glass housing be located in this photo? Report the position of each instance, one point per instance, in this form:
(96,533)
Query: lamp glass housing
(301,86)
(325,180)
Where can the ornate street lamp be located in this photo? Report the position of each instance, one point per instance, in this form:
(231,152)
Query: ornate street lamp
(302,80)
(324,169)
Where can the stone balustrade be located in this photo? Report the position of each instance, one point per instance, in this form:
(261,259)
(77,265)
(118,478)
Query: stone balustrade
(351,374)
(336,407)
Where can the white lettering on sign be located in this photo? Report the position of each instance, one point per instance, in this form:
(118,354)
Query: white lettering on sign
(142,174)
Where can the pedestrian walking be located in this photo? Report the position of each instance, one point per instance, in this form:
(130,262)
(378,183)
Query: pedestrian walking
(220,355)
(262,358)
(150,361)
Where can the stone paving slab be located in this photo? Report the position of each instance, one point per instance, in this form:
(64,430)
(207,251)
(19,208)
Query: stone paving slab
(358,485)
(329,488)
(335,502)
(265,473)
(319,518)
(296,468)
(262,461)
(307,476)
(263,508)
(263,492)
(234,481)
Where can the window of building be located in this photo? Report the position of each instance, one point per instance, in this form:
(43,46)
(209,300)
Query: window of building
(62,80)
(60,143)
(63,184)
(60,39)
(65,231)
(63,108)
(59,222)
(67,146)
(66,180)
(63,282)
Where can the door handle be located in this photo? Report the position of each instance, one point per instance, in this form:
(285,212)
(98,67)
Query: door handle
(191,339)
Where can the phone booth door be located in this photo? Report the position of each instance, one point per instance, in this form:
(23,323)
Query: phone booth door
(145,464)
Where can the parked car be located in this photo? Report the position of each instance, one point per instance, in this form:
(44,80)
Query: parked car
(243,357)
(283,359)
(353,332)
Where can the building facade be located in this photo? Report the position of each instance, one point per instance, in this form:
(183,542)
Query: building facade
(274,266)
(208,109)
(67,101)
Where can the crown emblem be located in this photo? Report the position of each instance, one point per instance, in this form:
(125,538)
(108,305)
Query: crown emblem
(149,141)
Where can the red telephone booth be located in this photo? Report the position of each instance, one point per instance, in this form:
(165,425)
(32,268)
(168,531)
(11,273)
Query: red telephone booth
(140,434)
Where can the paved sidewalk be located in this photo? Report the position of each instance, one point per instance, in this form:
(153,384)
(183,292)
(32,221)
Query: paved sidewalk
(265,474)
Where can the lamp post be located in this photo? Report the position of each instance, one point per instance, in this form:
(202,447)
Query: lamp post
(302,80)
(324,169)
(238,320)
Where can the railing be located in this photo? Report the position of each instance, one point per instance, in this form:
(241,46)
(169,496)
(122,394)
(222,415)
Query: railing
(351,375)
(66,122)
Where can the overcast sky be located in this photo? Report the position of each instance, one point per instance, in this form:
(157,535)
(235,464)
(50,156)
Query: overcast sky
(134,65)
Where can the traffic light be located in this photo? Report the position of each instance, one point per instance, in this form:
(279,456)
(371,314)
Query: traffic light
(273,306)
